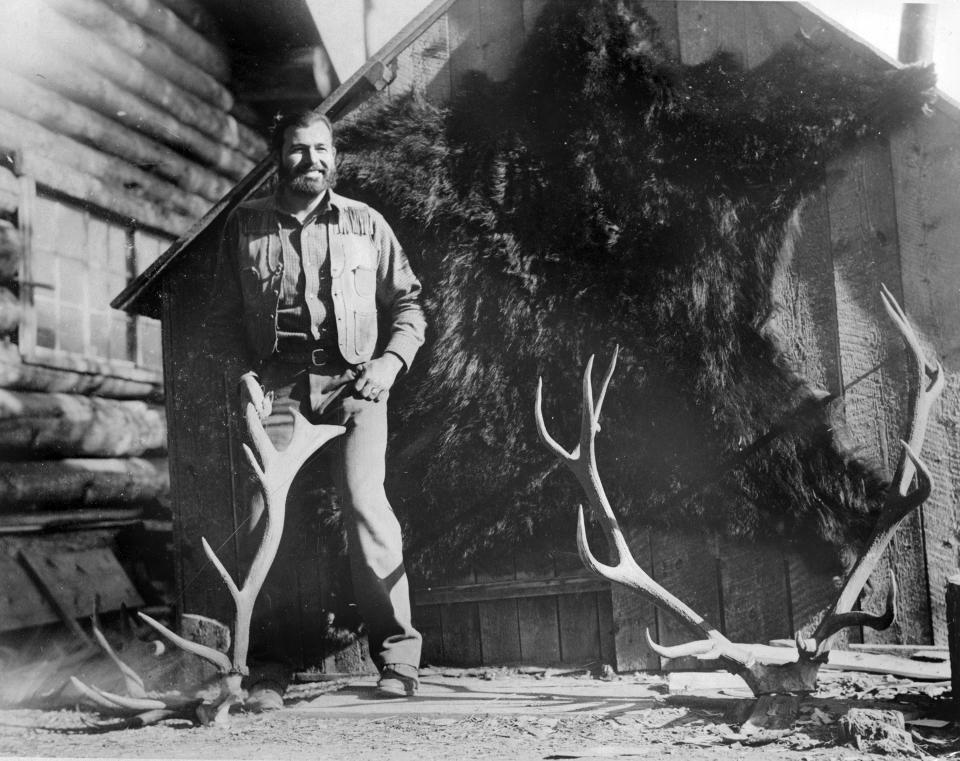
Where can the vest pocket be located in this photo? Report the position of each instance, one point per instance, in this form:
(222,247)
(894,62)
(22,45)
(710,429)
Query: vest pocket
(365,281)
(364,333)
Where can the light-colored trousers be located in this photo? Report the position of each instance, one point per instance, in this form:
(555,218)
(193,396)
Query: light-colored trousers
(358,463)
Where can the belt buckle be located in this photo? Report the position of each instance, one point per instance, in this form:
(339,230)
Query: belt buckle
(319,357)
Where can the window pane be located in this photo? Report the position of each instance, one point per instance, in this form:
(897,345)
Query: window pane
(71,329)
(148,332)
(46,312)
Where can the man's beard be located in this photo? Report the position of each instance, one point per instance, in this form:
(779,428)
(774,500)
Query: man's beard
(296,181)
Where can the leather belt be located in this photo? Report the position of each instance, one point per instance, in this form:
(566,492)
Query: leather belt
(309,357)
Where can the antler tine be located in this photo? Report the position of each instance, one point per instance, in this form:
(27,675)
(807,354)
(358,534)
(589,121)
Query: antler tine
(703,649)
(545,437)
(131,679)
(218,659)
(931,381)
(877,621)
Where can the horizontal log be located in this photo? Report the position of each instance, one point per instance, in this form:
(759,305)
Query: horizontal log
(81,85)
(96,53)
(146,48)
(65,520)
(76,376)
(82,483)
(11,245)
(36,426)
(10,311)
(114,199)
(58,114)
(196,15)
(186,42)
(9,191)
(17,133)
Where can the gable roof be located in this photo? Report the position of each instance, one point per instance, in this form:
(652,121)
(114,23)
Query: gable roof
(142,295)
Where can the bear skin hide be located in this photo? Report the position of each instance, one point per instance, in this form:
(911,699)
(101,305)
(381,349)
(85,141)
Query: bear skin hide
(606,195)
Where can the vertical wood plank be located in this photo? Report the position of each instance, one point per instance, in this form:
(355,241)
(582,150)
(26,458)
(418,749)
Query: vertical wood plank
(202,460)
(501,36)
(608,643)
(926,171)
(463,24)
(579,629)
(805,320)
(632,614)
(686,565)
(755,592)
(460,623)
(866,253)
(812,592)
(539,630)
(424,66)
(706,28)
(499,632)
(426,620)
(770,26)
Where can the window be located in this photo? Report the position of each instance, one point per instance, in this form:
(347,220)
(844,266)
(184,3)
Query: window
(77,262)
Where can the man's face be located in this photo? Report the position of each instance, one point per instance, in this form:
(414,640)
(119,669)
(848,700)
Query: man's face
(307,160)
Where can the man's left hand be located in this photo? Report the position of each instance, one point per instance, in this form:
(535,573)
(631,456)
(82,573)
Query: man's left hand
(378,376)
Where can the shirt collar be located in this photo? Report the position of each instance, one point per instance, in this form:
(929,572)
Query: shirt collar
(331,203)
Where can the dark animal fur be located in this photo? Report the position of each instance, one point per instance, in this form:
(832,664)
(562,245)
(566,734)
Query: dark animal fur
(607,196)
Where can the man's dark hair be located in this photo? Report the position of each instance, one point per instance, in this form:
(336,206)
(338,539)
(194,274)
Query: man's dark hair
(300,118)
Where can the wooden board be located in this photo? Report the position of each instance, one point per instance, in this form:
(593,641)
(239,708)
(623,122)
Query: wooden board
(633,615)
(72,581)
(926,172)
(866,253)
(812,591)
(706,28)
(755,592)
(686,565)
(485,36)
(499,632)
(539,630)
(426,620)
(805,322)
(460,624)
(425,66)
(579,629)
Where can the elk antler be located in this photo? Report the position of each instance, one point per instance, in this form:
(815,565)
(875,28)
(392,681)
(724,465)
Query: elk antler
(275,472)
(765,669)
(583,464)
(898,504)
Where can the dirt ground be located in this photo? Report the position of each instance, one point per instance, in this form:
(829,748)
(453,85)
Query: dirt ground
(506,714)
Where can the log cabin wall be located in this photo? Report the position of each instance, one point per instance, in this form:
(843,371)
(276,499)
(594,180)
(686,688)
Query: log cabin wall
(118,132)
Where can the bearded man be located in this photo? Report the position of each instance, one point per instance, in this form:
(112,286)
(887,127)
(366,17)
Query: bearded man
(310,275)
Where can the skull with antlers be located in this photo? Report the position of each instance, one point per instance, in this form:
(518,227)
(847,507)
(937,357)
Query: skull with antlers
(766,669)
